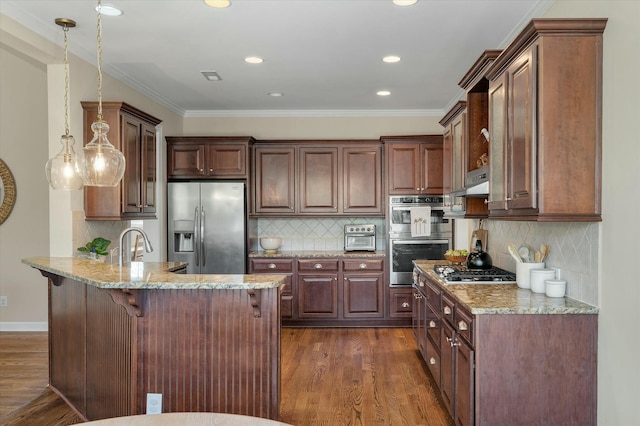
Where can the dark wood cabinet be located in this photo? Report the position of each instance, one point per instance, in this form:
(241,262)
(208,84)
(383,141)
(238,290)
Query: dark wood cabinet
(545,106)
(401,303)
(202,157)
(134,133)
(453,170)
(483,363)
(362,290)
(280,266)
(317,178)
(362,180)
(318,288)
(414,164)
(274,180)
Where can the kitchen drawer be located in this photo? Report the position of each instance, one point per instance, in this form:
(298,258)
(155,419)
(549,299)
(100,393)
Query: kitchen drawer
(448,308)
(434,297)
(433,361)
(401,305)
(433,332)
(374,265)
(463,323)
(271,266)
(318,265)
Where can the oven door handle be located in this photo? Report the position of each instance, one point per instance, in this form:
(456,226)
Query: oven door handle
(418,241)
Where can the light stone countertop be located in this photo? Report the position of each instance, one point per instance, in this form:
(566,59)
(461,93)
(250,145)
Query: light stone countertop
(300,254)
(148,275)
(505,298)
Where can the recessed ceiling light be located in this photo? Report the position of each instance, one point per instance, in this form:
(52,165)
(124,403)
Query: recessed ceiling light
(275,94)
(253,60)
(220,4)
(391,59)
(404,2)
(108,10)
(383,93)
(211,75)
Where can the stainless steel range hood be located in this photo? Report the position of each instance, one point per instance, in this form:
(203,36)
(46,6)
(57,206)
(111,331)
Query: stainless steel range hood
(478,182)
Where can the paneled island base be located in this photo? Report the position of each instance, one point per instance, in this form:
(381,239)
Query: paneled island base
(203,349)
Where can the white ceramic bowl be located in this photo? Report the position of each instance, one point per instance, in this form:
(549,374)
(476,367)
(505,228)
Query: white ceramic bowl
(555,288)
(270,244)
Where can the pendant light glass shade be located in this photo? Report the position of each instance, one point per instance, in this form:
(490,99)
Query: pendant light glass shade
(100,163)
(61,170)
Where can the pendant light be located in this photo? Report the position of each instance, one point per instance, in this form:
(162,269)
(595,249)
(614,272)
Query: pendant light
(61,169)
(100,163)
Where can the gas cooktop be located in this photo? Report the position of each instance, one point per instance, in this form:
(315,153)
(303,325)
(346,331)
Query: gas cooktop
(457,274)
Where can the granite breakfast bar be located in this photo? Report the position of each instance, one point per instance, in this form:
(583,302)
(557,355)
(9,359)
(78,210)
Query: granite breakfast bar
(207,343)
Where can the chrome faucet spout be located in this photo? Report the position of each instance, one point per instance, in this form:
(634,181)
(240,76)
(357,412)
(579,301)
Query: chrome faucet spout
(147,243)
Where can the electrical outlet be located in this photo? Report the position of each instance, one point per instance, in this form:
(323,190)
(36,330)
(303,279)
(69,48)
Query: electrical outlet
(154,403)
(3,301)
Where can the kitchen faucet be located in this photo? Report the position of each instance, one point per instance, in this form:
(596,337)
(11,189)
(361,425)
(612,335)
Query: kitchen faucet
(147,243)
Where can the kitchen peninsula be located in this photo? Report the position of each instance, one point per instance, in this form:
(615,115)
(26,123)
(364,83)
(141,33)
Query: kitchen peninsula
(207,343)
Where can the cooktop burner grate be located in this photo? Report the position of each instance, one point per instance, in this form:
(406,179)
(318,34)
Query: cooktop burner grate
(456,274)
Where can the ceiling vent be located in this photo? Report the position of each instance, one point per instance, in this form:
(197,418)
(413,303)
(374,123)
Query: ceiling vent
(211,75)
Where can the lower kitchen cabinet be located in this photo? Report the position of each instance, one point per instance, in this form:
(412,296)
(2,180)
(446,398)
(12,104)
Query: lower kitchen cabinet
(506,368)
(341,291)
(281,266)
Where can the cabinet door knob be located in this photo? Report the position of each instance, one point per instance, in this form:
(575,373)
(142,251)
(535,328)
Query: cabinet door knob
(462,326)
(210,170)
(363,266)
(272,266)
(202,170)
(447,310)
(432,324)
(318,266)
(432,361)
(405,304)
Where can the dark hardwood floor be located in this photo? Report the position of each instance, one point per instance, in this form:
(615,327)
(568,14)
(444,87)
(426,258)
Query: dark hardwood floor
(330,376)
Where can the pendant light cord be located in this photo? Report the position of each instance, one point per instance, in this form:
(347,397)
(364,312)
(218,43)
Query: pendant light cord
(99,61)
(66,83)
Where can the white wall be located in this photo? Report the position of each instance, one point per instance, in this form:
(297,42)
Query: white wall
(23,147)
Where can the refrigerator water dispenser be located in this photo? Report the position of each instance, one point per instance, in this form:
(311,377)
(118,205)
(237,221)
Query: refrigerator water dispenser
(183,235)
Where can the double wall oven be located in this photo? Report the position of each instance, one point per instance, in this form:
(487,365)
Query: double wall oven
(405,245)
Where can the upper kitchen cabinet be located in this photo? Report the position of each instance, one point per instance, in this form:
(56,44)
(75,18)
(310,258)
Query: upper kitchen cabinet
(414,164)
(317,178)
(134,133)
(476,155)
(274,179)
(208,157)
(545,115)
(453,171)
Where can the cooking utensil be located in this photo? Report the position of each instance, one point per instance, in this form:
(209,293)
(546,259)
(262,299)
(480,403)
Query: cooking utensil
(525,253)
(513,251)
(544,250)
(479,259)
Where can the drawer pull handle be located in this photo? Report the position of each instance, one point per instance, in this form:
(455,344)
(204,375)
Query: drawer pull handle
(462,326)
(432,324)
(447,310)
(318,266)
(405,304)
(432,361)
(363,266)
(272,266)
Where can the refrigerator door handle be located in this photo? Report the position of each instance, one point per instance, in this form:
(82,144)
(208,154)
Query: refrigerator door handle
(204,246)
(196,237)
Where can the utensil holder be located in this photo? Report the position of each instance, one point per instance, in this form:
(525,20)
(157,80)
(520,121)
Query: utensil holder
(523,273)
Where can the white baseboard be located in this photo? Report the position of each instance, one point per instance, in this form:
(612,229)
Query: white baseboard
(24,326)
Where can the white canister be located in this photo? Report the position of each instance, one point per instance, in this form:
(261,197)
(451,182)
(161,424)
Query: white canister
(523,273)
(538,277)
(555,288)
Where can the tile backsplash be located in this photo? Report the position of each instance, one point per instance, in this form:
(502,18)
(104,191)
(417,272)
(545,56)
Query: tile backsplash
(574,250)
(315,233)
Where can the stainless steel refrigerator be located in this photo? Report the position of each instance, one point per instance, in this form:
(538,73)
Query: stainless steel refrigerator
(207,226)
